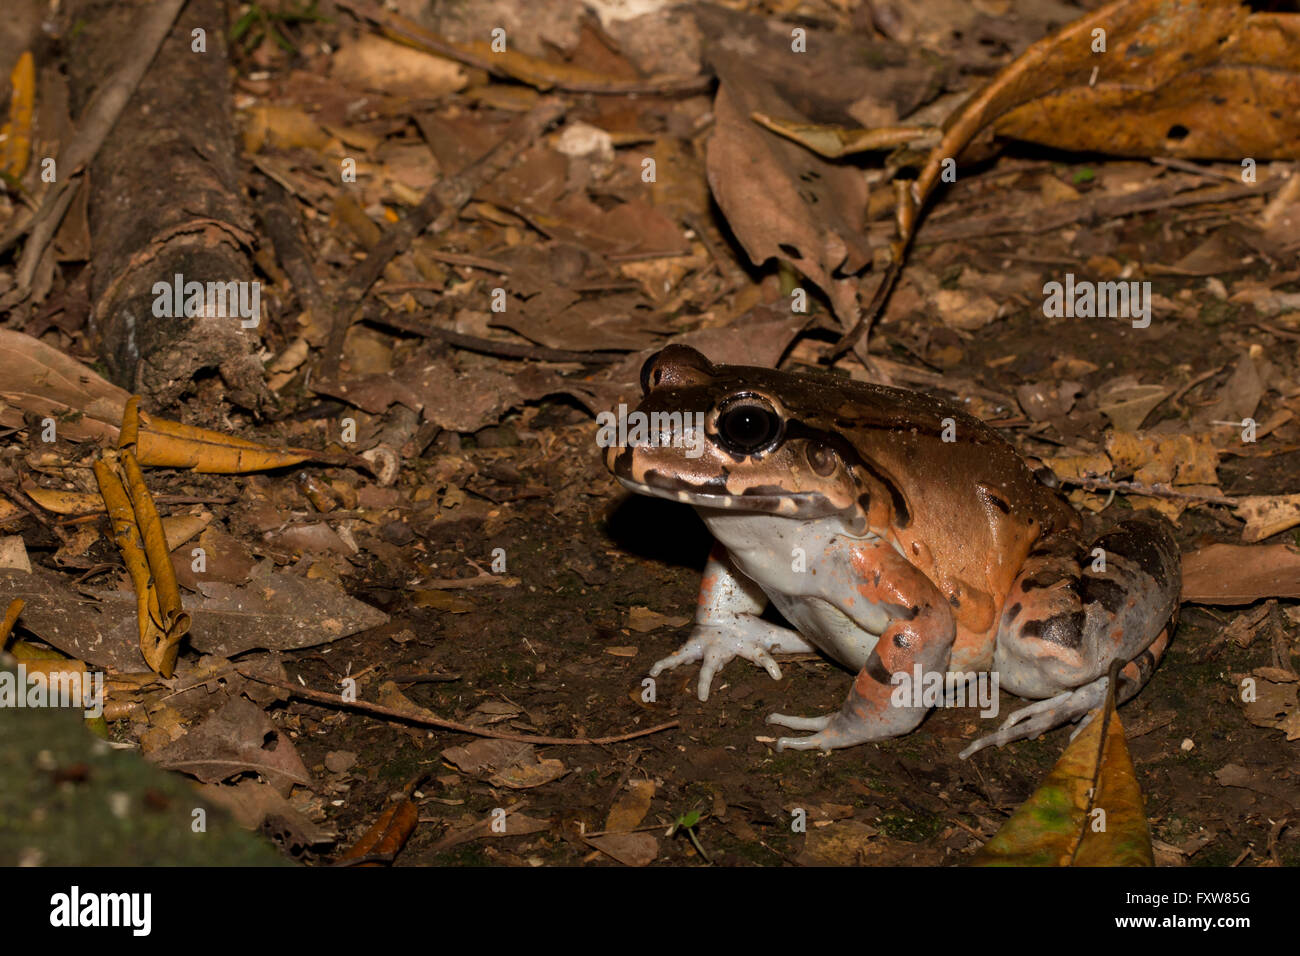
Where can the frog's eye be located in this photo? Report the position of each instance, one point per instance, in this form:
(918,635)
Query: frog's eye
(747,424)
(821,459)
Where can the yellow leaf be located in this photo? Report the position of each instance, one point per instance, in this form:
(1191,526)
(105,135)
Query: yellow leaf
(11,618)
(65,502)
(164,444)
(1088,812)
(16,135)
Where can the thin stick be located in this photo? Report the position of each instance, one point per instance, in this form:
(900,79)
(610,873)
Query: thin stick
(98,120)
(1153,491)
(379,710)
(512,350)
(443,201)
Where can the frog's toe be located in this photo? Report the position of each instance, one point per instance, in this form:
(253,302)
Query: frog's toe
(799,723)
(692,650)
(713,646)
(1042,715)
(832,732)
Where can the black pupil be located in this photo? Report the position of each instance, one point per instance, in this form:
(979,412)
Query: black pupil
(748,427)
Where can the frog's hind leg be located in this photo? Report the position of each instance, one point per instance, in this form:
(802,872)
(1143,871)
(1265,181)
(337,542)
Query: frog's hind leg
(1041,716)
(1072,611)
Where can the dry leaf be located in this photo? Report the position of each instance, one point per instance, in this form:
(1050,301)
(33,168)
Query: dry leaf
(236,739)
(643,619)
(632,805)
(1057,825)
(1267,515)
(373,63)
(1164,459)
(13,554)
(1240,573)
(630,849)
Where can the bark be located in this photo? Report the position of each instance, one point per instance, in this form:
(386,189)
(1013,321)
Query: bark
(165,202)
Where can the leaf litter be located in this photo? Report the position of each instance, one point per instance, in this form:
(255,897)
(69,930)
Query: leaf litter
(465,360)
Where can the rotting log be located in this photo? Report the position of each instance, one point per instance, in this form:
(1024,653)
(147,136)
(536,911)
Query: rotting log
(165,202)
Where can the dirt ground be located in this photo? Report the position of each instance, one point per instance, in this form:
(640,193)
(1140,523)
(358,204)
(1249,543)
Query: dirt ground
(557,649)
(526,592)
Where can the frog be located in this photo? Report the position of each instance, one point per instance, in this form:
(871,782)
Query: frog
(898,535)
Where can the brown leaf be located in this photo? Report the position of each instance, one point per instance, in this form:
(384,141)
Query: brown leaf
(39,379)
(388,834)
(255,805)
(1127,403)
(643,620)
(225,559)
(1203,80)
(373,63)
(1267,515)
(160,620)
(276,610)
(1164,459)
(1240,574)
(507,763)
(780,200)
(632,805)
(236,739)
(1276,701)
(630,849)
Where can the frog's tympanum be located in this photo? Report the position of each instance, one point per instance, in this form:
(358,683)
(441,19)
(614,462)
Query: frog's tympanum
(899,536)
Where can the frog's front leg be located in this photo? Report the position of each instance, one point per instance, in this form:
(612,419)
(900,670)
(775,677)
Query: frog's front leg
(920,633)
(727,625)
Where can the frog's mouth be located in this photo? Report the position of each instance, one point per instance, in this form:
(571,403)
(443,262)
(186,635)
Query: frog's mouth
(765,500)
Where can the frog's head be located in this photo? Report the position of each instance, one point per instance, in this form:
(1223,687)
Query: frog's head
(742,438)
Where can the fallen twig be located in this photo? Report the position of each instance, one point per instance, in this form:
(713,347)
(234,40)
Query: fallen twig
(379,710)
(1152,491)
(98,119)
(437,211)
(474,343)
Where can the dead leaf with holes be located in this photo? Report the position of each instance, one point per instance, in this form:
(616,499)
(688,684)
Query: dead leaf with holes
(781,201)
(1190,78)
(1164,459)
(1267,515)
(1271,700)
(1198,79)
(239,738)
(506,763)
(258,805)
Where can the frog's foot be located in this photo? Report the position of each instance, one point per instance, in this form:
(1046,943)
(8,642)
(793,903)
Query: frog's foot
(832,731)
(1041,716)
(745,636)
